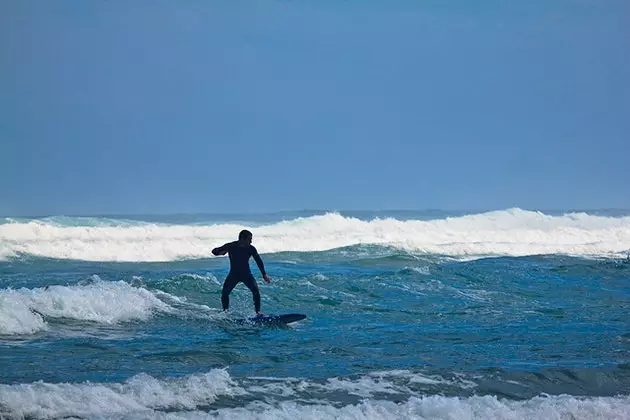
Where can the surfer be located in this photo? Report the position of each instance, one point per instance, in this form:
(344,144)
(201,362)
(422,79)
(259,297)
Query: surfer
(239,253)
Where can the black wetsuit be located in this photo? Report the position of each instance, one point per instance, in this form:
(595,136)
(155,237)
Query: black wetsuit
(240,271)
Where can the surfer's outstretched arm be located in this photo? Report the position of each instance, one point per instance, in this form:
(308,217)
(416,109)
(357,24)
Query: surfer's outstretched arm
(222,250)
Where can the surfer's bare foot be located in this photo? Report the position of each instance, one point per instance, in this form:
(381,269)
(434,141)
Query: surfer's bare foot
(259,314)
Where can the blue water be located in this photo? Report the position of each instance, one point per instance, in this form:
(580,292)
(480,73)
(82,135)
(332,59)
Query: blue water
(391,332)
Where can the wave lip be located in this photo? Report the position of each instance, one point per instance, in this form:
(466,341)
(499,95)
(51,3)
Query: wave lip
(23,311)
(513,232)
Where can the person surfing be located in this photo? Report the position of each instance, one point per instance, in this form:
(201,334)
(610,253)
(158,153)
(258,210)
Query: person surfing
(239,252)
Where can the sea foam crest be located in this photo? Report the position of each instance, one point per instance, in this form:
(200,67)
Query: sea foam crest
(512,232)
(193,396)
(141,394)
(23,311)
(439,407)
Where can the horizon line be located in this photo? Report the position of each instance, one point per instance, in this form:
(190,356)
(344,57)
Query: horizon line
(312,210)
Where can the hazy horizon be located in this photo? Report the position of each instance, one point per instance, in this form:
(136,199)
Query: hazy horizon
(607,211)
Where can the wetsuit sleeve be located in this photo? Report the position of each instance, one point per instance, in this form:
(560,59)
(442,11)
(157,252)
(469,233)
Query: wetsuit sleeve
(258,260)
(222,249)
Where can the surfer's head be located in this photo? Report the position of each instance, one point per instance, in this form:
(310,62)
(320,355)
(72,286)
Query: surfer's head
(245,237)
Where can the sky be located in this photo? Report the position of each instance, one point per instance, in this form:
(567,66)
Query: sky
(257,106)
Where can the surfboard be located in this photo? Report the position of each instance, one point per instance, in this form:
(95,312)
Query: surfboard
(275,320)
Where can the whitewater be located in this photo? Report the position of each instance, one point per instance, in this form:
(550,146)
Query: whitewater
(510,314)
(512,232)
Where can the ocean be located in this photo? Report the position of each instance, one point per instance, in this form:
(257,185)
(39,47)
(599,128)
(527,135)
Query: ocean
(509,314)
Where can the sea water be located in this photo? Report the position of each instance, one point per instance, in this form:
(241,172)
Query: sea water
(509,314)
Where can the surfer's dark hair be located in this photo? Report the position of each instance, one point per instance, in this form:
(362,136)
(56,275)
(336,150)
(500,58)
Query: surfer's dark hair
(244,234)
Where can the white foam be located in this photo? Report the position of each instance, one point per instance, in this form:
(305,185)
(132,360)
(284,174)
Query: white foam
(365,386)
(512,232)
(419,378)
(394,382)
(22,310)
(141,394)
(438,407)
(144,396)
(16,317)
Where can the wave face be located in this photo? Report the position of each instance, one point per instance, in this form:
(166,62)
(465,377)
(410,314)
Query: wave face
(513,232)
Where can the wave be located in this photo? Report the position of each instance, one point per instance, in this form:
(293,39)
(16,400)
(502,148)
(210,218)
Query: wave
(513,232)
(25,311)
(216,394)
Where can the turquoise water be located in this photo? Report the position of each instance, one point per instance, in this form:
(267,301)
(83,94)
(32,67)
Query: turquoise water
(392,331)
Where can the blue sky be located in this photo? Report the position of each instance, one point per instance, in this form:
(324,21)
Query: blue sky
(257,106)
